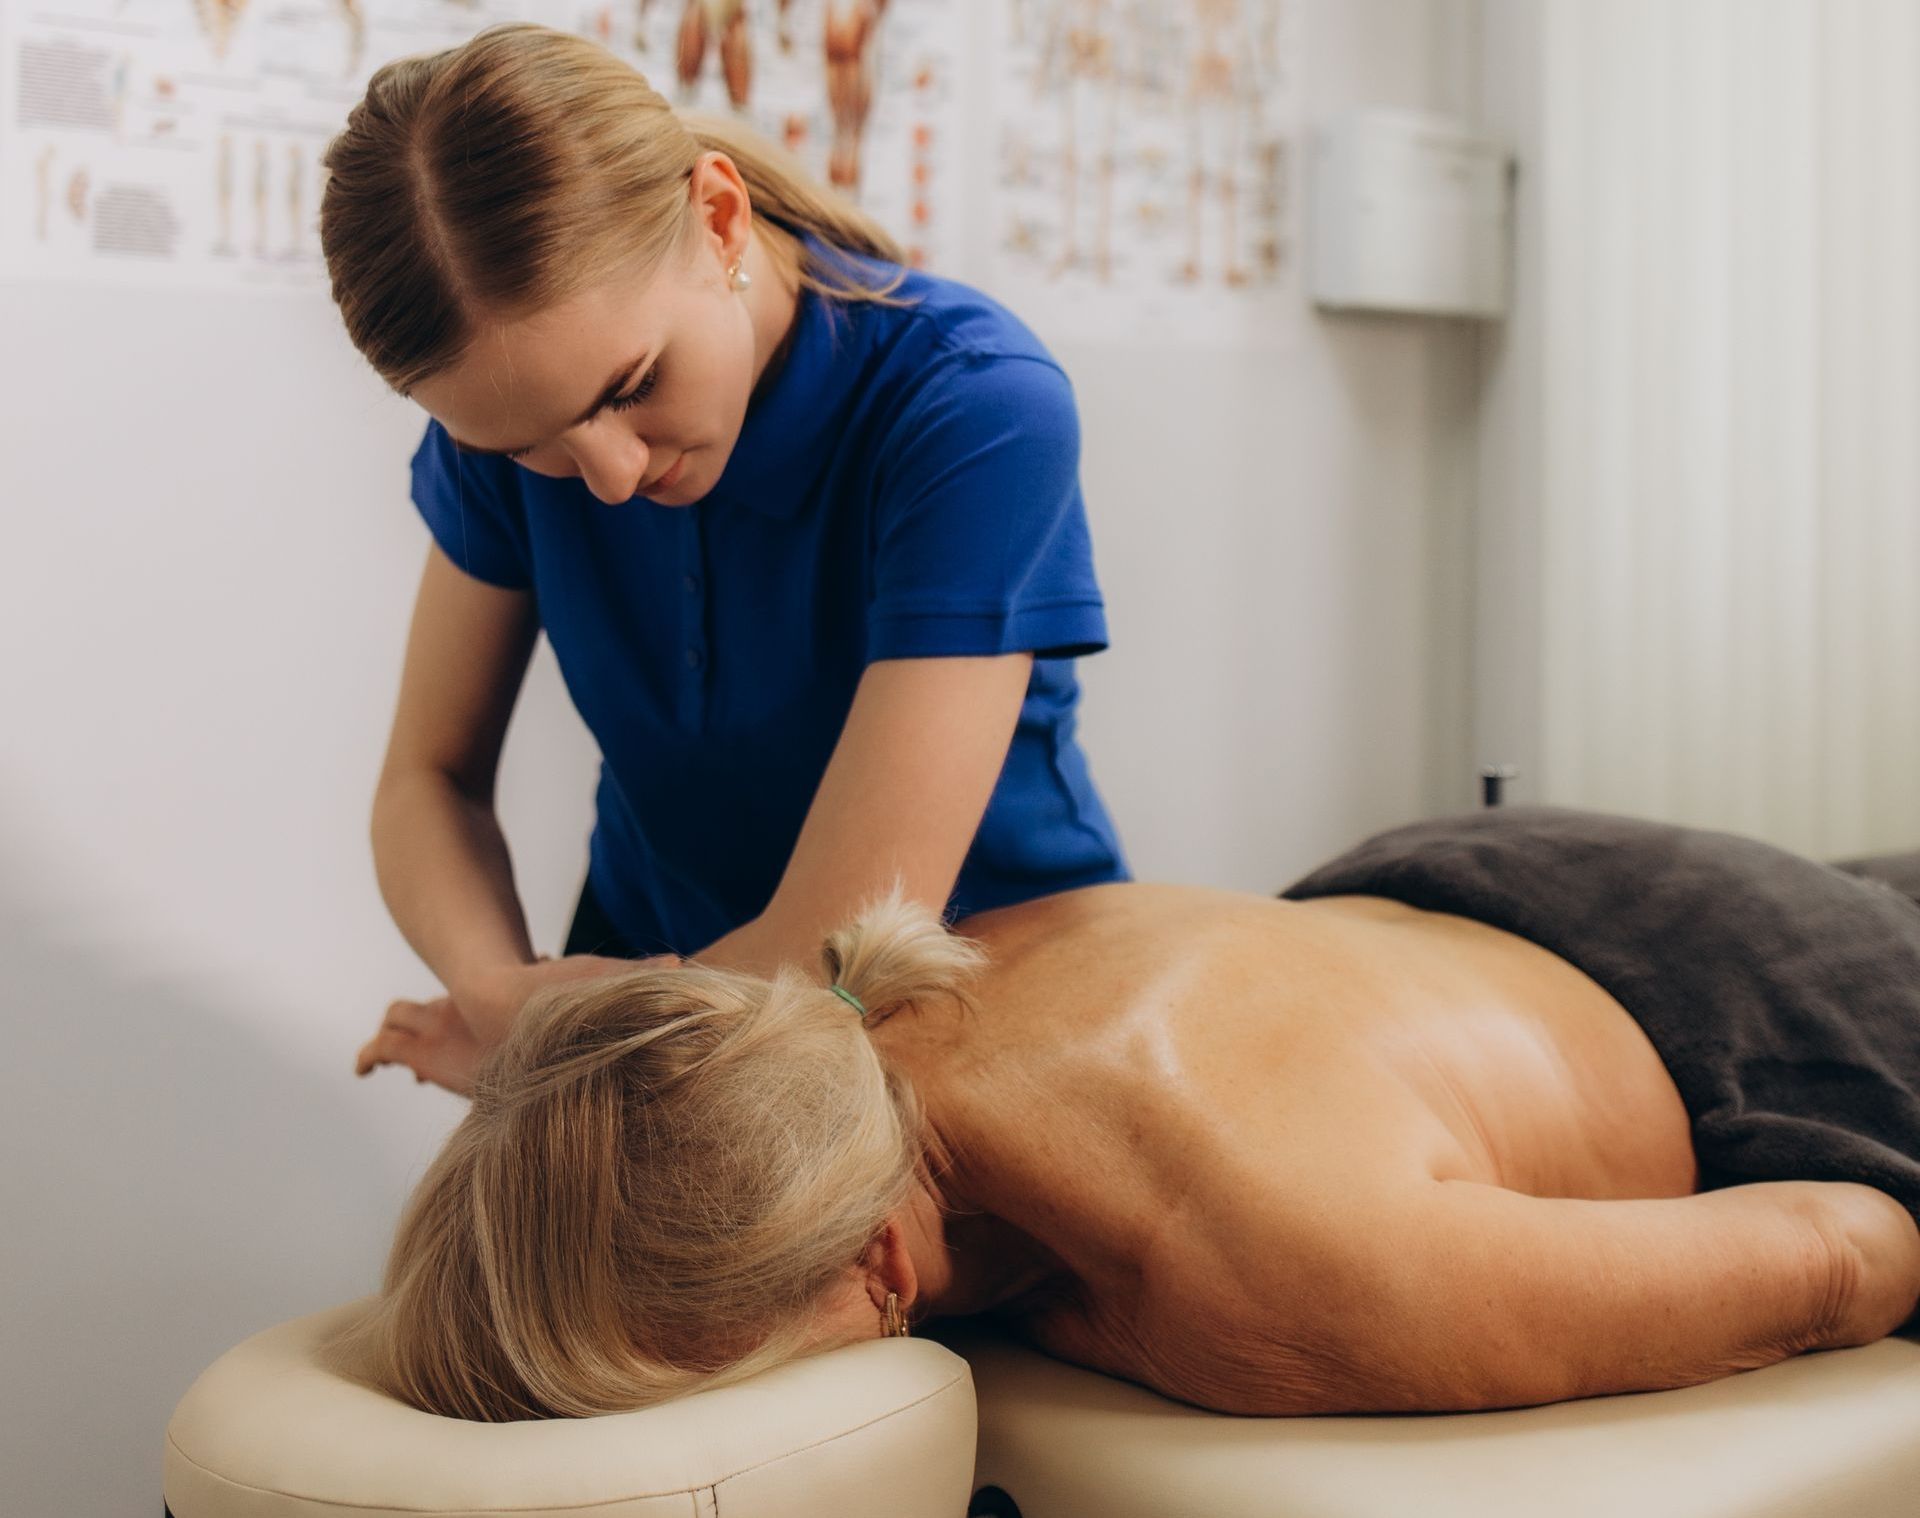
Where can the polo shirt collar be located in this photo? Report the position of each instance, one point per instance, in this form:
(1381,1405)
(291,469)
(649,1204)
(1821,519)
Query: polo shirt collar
(793,425)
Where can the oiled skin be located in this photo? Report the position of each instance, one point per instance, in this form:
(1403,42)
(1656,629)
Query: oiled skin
(1174,1100)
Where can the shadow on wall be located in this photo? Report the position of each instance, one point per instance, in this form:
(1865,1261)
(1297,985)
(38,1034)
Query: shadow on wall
(170,1182)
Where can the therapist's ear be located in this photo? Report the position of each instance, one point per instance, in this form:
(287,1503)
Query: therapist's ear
(722,209)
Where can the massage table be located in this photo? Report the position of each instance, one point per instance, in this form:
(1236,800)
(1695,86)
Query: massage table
(963,1421)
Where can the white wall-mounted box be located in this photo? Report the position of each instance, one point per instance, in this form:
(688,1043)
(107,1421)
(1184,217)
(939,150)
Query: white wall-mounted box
(1410,212)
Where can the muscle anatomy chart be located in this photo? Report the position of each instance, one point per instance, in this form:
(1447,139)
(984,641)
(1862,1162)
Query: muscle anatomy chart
(866,93)
(179,141)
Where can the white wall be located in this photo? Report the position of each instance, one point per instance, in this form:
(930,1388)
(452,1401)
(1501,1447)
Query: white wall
(1284,542)
(208,568)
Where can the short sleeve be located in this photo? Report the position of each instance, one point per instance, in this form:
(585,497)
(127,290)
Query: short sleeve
(471,504)
(982,544)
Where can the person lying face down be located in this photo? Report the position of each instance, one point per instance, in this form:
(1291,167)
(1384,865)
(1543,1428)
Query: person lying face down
(1263,1156)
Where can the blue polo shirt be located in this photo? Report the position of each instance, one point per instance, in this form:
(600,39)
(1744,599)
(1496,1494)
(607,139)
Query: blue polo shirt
(905,485)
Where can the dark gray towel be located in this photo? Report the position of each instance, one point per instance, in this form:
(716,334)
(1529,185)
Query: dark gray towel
(1783,994)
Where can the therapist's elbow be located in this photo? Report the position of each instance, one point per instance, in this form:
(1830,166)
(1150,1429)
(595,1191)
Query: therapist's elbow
(406,796)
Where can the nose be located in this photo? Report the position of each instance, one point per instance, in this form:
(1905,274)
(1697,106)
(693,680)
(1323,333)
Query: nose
(610,459)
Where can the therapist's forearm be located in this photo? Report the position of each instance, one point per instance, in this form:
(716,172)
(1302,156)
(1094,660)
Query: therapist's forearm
(446,877)
(898,807)
(762,945)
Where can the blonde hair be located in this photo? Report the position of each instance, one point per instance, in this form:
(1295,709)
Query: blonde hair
(662,1175)
(497,178)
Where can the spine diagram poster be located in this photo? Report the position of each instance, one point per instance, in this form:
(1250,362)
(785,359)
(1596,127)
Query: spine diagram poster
(179,141)
(1146,164)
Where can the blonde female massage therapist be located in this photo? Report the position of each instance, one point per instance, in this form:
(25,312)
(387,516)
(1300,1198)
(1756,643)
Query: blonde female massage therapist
(804,529)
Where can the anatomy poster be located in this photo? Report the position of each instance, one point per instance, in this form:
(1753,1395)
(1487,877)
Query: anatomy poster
(1147,161)
(865,92)
(179,141)
(1107,167)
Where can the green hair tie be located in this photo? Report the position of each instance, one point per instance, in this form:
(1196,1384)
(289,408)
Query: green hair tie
(850,999)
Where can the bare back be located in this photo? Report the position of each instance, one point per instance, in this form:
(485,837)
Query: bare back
(1172,1088)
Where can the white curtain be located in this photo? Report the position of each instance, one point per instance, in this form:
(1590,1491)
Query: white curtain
(1719,264)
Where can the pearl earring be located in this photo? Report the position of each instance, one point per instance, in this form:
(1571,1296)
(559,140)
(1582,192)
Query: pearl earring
(738,277)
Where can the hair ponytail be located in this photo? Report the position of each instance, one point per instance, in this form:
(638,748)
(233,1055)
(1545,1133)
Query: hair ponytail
(665,1171)
(896,951)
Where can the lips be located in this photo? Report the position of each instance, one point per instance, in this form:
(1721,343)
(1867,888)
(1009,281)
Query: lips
(669,478)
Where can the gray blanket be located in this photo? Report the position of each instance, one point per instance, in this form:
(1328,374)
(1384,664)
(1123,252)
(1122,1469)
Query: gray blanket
(1783,995)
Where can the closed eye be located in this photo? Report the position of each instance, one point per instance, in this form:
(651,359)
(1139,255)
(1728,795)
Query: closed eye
(640,392)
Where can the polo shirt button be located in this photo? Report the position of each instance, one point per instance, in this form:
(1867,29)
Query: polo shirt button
(692,582)
(693,658)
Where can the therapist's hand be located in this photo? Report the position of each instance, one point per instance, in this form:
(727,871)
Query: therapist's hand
(444,1039)
(430,1038)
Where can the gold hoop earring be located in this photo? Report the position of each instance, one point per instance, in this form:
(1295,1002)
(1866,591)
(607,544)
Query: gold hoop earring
(896,1319)
(739,278)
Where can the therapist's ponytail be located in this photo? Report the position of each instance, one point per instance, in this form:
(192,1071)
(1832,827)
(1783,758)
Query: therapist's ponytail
(496,179)
(787,199)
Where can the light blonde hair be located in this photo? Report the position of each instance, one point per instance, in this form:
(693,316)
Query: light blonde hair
(663,1174)
(494,179)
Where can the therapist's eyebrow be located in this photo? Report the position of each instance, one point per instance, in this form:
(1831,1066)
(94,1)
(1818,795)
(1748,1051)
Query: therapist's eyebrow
(613,387)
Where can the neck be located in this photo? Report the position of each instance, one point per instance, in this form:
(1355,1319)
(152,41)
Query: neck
(992,1264)
(773,303)
(966,1259)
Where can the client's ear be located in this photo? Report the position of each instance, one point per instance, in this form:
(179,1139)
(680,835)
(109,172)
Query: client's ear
(890,1266)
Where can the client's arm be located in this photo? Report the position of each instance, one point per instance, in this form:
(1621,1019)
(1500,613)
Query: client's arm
(1490,1298)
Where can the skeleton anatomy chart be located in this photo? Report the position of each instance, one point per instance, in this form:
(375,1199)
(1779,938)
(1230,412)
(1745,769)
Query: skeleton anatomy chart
(1146,151)
(1107,165)
(179,141)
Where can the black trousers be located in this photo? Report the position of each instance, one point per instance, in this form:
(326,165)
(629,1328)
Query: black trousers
(592,933)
